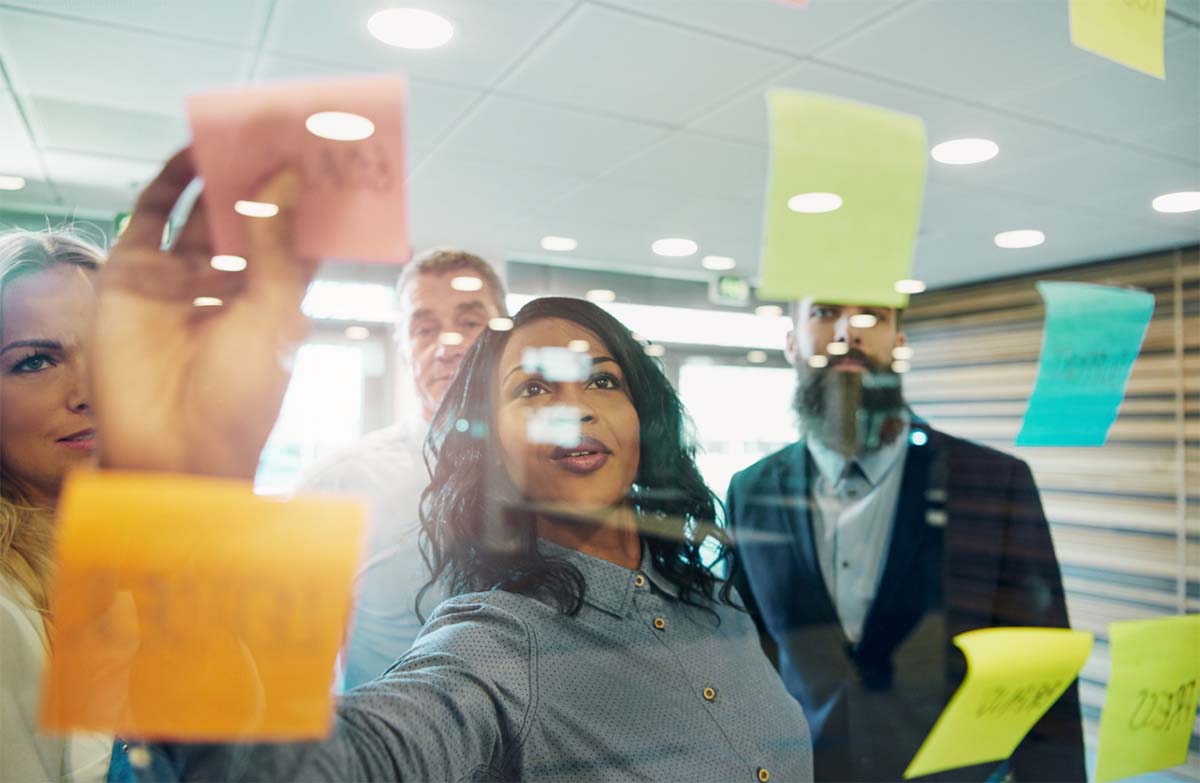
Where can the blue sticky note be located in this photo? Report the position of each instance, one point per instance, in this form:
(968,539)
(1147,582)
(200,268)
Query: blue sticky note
(1092,336)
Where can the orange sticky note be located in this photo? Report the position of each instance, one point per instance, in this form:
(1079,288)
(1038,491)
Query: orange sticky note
(190,608)
(346,139)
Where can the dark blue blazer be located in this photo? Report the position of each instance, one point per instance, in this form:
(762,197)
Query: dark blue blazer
(970,549)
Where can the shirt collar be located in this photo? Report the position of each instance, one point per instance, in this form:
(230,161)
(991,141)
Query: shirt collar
(874,464)
(607,586)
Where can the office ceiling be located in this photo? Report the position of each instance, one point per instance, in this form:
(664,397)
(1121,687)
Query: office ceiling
(618,122)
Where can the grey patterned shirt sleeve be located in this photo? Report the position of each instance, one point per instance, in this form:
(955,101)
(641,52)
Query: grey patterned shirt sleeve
(499,686)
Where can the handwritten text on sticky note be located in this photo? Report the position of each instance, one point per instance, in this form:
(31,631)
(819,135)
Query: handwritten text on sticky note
(191,608)
(1014,675)
(844,200)
(352,197)
(1129,32)
(1151,699)
(1092,336)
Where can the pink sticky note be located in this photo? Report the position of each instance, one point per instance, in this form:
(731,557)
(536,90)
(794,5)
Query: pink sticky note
(351,204)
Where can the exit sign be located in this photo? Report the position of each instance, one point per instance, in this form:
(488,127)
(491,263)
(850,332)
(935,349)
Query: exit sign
(729,290)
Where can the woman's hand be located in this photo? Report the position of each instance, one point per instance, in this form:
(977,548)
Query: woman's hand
(185,388)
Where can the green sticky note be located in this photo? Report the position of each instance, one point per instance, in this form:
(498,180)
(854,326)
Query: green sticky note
(1014,675)
(1150,704)
(1129,32)
(866,167)
(1093,336)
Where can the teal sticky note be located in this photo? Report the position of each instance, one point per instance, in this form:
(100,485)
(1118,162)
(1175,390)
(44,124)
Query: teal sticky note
(1092,336)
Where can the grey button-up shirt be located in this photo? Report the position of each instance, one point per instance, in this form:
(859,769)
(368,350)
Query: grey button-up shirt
(499,686)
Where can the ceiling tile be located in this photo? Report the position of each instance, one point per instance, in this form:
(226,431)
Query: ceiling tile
(102,130)
(133,71)
(1096,175)
(1111,100)
(433,107)
(609,61)
(982,51)
(693,164)
(18,156)
(37,195)
(76,168)
(488,36)
(515,131)
(230,21)
(1181,140)
(795,30)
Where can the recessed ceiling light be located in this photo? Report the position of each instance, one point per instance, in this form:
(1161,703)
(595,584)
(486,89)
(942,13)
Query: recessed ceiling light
(654,350)
(963,152)
(901,365)
(756,357)
(814,203)
(228,263)
(357,332)
(1183,201)
(559,244)
(207,301)
(837,349)
(600,295)
(909,286)
(11,182)
(466,283)
(339,126)
(675,247)
(410,28)
(1024,237)
(768,311)
(817,361)
(902,352)
(256,209)
(863,320)
(718,263)
(450,338)
(500,324)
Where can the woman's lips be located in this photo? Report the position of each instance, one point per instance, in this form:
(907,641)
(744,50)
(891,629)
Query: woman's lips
(589,456)
(84,440)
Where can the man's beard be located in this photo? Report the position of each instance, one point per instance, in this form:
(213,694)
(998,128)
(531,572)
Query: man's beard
(851,412)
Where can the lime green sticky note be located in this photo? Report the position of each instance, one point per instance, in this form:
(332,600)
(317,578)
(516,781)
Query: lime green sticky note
(1129,32)
(844,200)
(1150,704)
(1013,676)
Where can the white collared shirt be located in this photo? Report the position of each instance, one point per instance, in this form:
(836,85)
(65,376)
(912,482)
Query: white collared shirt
(852,510)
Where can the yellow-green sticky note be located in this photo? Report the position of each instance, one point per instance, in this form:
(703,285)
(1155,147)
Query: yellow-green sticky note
(1129,32)
(1014,675)
(1150,704)
(844,200)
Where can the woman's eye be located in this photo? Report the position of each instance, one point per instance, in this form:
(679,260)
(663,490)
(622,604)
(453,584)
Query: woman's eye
(532,389)
(605,381)
(34,363)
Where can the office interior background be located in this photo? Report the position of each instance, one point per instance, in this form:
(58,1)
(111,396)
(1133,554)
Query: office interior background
(616,123)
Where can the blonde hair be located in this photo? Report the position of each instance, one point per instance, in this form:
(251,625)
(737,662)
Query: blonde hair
(26,530)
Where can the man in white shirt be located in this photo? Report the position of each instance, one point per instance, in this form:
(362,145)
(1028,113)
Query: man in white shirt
(438,321)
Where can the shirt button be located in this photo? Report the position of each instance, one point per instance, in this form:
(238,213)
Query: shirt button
(709,694)
(660,623)
(639,581)
(845,564)
(764,774)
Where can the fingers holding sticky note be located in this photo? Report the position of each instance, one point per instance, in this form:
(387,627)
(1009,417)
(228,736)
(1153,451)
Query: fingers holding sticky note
(1014,675)
(345,137)
(191,608)
(844,200)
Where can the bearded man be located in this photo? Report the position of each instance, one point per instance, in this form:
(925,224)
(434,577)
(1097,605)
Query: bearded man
(872,541)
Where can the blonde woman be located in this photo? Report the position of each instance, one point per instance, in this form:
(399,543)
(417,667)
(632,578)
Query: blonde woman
(47,299)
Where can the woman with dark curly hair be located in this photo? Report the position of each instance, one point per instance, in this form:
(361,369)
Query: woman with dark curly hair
(586,639)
